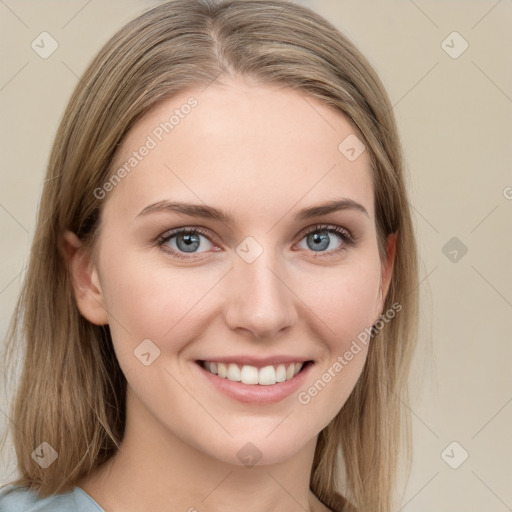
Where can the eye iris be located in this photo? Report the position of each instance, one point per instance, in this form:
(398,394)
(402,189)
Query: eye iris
(320,241)
(191,241)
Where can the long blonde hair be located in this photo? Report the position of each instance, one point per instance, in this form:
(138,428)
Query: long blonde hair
(72,390)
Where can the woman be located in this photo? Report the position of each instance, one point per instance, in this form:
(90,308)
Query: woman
(221,303)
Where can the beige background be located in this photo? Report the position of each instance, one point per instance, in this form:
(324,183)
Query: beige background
(455,118)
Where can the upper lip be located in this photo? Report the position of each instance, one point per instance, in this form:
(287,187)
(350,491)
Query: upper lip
(258,362)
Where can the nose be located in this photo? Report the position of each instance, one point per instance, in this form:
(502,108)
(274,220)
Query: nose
(260,300)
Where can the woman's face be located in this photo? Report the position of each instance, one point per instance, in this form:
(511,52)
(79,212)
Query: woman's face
(268,286)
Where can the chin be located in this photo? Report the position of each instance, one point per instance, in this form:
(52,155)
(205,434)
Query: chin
(258,449)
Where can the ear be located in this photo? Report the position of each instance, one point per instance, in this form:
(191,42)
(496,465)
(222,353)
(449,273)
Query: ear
(387,269)
(85,280)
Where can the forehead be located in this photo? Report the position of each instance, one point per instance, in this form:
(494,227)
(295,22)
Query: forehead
(250,145)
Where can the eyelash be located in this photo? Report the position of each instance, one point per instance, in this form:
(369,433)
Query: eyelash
(344,235)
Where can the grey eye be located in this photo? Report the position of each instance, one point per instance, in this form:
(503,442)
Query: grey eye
(320,240)
(186,242)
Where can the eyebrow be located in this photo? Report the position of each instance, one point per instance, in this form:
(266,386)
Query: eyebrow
(210,212)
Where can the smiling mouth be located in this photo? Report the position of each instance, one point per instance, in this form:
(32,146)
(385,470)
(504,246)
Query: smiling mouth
(252,375)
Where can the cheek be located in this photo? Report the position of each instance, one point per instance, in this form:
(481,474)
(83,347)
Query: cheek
(154,300)
(346,305)
(346,300)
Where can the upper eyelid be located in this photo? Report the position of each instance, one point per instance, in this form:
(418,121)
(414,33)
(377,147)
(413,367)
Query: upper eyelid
(186,229)
(327,227)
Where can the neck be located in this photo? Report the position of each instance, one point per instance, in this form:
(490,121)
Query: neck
(154,470)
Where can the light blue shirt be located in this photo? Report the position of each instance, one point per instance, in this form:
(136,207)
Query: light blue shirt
(19,499)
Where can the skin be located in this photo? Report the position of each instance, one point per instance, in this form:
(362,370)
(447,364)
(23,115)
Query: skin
(261,153)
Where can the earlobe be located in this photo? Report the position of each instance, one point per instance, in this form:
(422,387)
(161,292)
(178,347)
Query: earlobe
(85,279)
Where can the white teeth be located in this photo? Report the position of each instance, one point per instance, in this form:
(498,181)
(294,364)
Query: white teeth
(233,372)
(249,375)
(222,370)
(266,376)
(281,373)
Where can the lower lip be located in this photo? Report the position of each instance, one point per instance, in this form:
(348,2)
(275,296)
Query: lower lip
(257,393)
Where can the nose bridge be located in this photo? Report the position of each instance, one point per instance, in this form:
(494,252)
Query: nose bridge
(259,300)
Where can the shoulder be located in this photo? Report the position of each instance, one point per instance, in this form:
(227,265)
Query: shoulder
(21,499)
